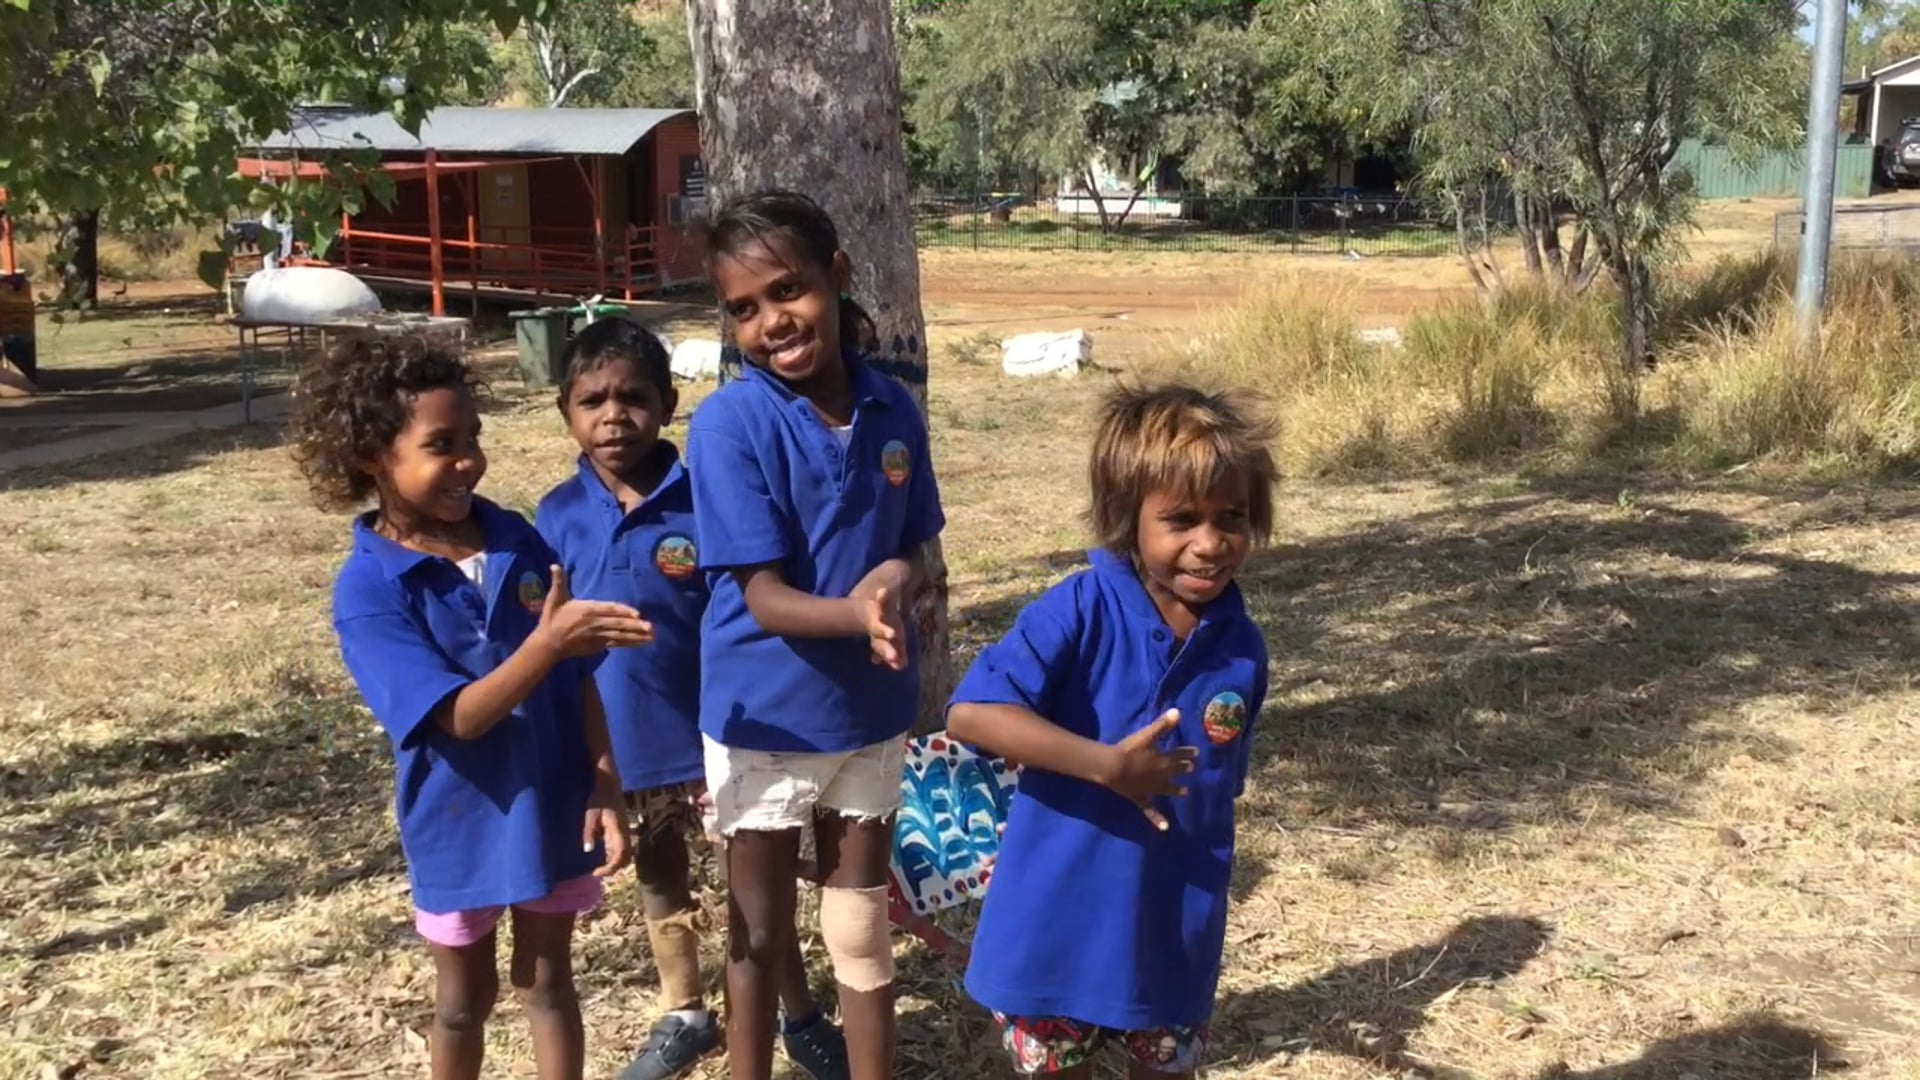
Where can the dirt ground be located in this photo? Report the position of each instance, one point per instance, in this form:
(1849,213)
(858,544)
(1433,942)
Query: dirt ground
(1561,778)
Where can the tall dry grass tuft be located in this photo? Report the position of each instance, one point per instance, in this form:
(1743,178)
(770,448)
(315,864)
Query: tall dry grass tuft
(1338,398)
(1533,371)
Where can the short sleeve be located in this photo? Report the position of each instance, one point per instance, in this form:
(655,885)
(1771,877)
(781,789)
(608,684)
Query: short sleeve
(925,519)
(736,520)
(401,674)
(1026,667)
(549,522)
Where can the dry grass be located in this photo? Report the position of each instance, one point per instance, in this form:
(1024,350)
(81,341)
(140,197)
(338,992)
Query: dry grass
(1531,377)
(1558,779)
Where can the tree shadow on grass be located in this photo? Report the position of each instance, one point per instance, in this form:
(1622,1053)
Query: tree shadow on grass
(1371,1010)
(1758,1047)
(1480,665)
(1529,657)
(291,794)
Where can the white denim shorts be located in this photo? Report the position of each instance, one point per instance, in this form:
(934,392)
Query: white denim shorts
(763,791)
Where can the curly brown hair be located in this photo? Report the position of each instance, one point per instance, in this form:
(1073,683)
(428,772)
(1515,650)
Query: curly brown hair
(352,401)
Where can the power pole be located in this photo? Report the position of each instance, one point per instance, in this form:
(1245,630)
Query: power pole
(1823,135)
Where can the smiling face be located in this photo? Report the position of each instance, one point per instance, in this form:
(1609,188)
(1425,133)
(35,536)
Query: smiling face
(615,413)
(785,310)
(1190,549)
(427,476)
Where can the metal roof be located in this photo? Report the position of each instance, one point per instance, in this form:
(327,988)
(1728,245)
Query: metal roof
(455,129)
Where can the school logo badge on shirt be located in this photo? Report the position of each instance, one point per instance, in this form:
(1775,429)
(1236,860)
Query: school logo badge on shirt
(895,462)
(675,556)
(1226,714)
(533,591)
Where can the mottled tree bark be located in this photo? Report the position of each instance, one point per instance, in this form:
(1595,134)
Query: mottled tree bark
(805,94)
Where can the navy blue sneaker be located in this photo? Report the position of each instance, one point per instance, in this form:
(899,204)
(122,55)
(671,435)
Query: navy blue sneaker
(675,1047)
(816,1047)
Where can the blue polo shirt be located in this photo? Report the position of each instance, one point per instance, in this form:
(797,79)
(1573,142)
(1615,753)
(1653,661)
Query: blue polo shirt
(488,821)
(772,484)
(646,559)
(1094,915)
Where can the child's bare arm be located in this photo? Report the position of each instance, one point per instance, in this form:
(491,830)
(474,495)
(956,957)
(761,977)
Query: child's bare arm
(872,610)
(568,627)
(605,821)
(1134,767)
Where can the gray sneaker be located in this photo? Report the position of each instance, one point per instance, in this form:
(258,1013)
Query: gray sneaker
(674,1048)
(817,1049)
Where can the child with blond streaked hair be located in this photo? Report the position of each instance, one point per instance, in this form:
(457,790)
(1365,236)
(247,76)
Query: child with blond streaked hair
(1129,692)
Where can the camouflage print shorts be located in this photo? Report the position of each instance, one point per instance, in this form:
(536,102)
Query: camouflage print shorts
(674,807)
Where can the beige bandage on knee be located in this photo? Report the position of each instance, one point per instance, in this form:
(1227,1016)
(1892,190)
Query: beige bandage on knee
(858,935)
(676,954)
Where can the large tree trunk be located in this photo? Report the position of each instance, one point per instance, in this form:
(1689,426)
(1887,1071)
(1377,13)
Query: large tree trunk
(805,94)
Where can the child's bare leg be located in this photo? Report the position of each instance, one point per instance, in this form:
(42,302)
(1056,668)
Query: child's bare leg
(854,856)
(760,896)
(661,862)
(796,994)
(465,984)
(542,974)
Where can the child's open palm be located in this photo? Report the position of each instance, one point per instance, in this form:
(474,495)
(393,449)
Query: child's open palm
(584,627)
(1143,772)
(879,597)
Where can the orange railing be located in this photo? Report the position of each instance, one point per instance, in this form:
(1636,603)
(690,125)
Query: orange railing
(564,262)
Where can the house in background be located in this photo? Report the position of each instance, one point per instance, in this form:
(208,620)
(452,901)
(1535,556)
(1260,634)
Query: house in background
(1884,98)
(513,202)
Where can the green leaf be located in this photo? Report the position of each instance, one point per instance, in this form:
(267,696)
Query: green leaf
(99,69)
(212,269)
(21,4)
(326,230)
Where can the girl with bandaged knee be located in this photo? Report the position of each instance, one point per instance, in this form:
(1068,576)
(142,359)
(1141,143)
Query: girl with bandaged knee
(813,498)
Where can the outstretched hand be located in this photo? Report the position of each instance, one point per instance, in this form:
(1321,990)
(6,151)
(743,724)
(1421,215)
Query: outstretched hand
(584,627)
(1142,772)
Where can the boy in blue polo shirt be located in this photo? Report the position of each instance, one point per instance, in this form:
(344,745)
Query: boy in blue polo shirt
(1128,692)
(481,676)
(815,499)
(623,526)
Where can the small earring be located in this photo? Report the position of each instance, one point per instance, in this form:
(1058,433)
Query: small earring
(845,295)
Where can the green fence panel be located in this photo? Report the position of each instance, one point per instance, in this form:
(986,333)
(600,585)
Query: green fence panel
(1717,174)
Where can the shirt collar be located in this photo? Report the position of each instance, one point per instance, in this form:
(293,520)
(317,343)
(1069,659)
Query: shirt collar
(1119,571)
(395,560)
(865,385)
(676,474)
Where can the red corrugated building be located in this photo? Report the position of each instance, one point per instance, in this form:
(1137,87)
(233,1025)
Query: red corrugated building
(543,202)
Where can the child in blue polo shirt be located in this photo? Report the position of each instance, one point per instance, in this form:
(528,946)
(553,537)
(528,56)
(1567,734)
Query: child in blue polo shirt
(623,527)
(1128,692)
(814,498)
(482,675)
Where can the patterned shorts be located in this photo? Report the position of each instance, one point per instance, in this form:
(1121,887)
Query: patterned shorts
(669,807)
(1052,1044)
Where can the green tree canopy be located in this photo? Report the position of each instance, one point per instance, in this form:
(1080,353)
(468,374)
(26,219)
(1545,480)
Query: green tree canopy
(138,109)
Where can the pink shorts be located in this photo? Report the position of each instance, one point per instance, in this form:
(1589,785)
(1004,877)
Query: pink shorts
(458,929)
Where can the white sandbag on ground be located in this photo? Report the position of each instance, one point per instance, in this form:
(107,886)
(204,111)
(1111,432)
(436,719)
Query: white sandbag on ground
(1059,355)
(306,295)
(696,359)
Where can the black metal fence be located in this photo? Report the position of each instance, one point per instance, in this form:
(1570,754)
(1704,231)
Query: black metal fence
(1359,225)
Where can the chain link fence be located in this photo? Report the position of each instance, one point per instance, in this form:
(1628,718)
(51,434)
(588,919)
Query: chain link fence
(1354,225)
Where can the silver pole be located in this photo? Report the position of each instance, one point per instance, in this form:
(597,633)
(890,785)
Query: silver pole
(1823,133)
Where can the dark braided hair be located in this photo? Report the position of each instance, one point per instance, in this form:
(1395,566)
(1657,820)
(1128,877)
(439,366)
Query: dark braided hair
(352,401)
(754,220)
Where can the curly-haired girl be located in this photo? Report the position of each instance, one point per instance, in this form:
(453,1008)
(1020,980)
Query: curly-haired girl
(506,789)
